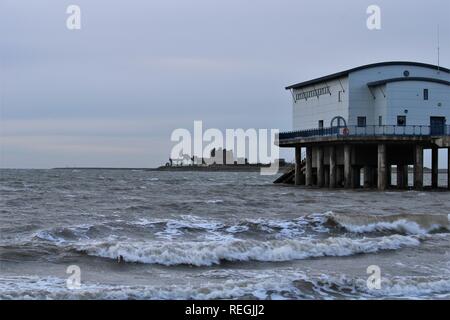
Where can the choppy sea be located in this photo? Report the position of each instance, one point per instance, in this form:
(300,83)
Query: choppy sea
(191,235)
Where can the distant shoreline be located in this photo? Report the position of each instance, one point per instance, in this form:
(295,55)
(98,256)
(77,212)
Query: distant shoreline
(100,168)
(230,168)
(220,168)
(227,168)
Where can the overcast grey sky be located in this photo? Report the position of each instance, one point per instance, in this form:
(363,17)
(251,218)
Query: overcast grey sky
(111,93)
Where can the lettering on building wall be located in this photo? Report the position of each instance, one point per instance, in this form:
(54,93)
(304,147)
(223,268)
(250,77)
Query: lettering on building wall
(312,93)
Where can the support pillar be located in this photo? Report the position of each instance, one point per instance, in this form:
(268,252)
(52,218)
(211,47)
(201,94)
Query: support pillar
(298,161)
(368,177)
(308,167)
(333,171)
(347,166)
(448,168)
(320,168)
(434,167)
(418,168)
(382,167)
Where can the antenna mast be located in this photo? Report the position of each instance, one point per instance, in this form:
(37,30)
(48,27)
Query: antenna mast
(438,49)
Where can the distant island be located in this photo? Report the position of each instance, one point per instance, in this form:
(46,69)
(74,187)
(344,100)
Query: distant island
(210,168)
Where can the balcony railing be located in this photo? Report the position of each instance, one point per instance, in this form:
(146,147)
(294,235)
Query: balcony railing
(371,130)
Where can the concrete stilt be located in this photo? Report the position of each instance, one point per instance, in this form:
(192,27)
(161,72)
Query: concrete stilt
(333,172)
(368,183)
(434,167)
(320,168)
(382,167)
(298,161)
(308,167)
(347,166)
(448,168)
(418,168)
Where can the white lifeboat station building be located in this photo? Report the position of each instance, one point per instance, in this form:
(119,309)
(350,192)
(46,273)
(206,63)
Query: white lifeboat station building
(366,120)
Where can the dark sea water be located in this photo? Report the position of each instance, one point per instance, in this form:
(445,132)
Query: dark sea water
(188,235)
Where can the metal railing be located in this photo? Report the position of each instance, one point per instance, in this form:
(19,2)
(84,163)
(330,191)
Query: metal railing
(370,130)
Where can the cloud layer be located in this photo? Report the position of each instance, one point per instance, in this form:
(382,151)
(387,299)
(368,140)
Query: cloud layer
(111,93)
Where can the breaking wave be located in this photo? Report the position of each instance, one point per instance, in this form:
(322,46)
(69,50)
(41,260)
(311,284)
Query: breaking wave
(405,223)
(395,287)
(55,288)
(204,242)
(189,227)
(272,285)
(214,252)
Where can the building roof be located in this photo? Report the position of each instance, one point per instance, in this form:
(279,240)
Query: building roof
(373,65)
(380,82)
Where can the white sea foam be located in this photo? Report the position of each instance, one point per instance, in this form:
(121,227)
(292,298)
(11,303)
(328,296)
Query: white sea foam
(57,234)
(142,222)
(237,229)
(399,287)
(280,228)
(47,236)
(214,201)
(413,287)
(176,228)
(282,284)
(209,252)
(55,288)
(62,235)
(294,229)
(405,224)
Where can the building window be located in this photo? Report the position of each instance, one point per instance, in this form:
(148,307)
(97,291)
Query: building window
(401,121)
(362,121)
(380,120)
(340,96)
(425,94)
(320,124)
